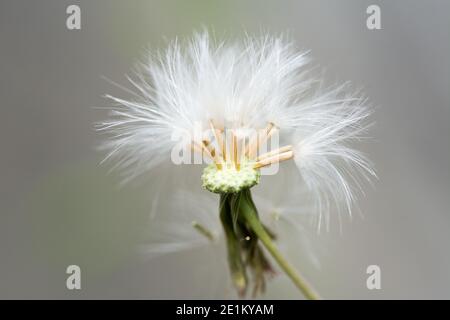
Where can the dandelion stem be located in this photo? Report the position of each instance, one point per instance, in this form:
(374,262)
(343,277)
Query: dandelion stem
(235,262)
(248,211)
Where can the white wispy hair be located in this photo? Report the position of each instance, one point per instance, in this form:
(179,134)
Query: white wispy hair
(244,84)
(173,232)
(331,169)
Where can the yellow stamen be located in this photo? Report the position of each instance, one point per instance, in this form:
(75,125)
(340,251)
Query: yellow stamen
(234,148)
(212,153)
(258,140)
(200,148)
(274,159)
(274,152)
(218,135)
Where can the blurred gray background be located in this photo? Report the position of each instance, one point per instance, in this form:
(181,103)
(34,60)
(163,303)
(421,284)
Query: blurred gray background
(59,207)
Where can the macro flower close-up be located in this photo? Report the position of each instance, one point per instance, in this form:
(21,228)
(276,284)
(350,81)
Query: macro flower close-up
(224,158)
(242,109)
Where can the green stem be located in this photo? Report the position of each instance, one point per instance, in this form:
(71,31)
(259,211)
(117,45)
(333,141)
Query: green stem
(248,212)
(234,252)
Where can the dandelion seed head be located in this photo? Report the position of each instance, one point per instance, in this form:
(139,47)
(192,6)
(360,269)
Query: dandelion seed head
(259,83)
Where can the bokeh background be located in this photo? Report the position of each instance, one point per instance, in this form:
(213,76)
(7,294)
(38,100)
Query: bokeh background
(59,207)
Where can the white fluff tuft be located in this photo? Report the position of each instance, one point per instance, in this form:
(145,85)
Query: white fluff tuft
(332,170)
(240,85)
(173,232)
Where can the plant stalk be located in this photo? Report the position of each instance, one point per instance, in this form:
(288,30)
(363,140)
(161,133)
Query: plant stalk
(249,213)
